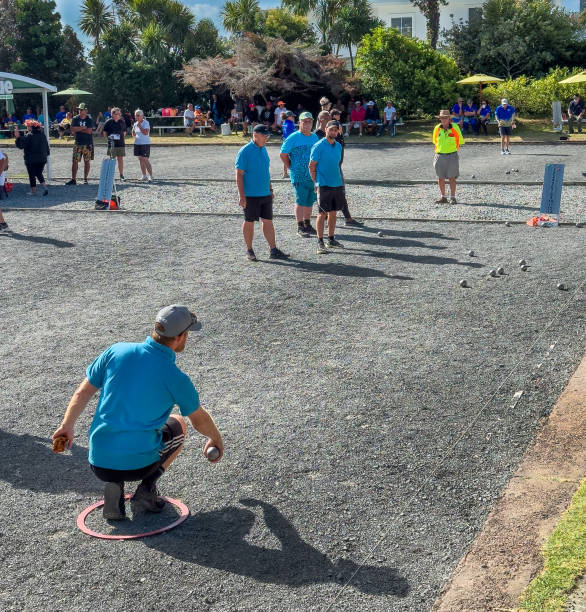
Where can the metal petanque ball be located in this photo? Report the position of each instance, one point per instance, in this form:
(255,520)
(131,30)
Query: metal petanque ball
(492,273)
(380,234)
(522,262)
(507,224)
(471,253)
(524,268)
(500,271)
(507,172)
(473,176)
(562,287)
(463,283)
(212,453)
(579,225)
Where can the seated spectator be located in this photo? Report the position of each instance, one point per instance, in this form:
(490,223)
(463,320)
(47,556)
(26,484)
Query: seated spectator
(356,118)
(209,120)
(236,119)
(389,119)
(279,115)
(458,113)
(60,115)
(250,119)
(199,118)
(41,120)
(12,119)
(288,125)
(484,116)
(64,127)
(29,115)
(267,117)
(371,117)
(575,114)
(470,109)
(189,119)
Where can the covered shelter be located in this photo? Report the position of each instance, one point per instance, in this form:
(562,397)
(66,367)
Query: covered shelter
(12,84)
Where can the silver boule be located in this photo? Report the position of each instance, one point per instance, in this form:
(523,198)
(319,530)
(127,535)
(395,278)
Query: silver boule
(500,271)
(579,225)
(212,453)
(524,268)
(464,283)
(507,224)
(380,234)
(492,273)
(522,262)
(562,287)
(471,253)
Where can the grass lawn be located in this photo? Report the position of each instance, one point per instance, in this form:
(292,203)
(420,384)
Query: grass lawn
(564,560)
(528,130)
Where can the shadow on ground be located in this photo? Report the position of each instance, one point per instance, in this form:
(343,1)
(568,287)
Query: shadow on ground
(61,244)
(27,462)
(217,539)
(335,269)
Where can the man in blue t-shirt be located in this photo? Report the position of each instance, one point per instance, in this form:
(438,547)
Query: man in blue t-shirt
(324,167)
(505,116)
(133,435)
(470,121)
(256,192)
(458,113)
(295,152)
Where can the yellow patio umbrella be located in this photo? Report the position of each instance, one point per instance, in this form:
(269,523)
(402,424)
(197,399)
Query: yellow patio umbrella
(480,80)
(577,78)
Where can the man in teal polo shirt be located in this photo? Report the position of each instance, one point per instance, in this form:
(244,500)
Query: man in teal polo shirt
(133,435)
(324,167)
(295,153)
(256,192)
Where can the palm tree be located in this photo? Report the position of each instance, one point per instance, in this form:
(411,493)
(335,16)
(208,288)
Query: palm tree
(96,19)
(241,16)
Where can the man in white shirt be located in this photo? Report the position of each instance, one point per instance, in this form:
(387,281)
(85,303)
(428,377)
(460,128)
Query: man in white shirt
(280,114)
(389,119)
(189,119)
(3,166)
(141,131)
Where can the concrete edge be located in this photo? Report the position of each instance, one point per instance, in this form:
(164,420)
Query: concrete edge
(506,554)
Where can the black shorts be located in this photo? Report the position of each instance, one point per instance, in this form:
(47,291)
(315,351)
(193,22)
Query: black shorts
(261,207)
(330,199)
(142,150)
(505,130)
(173,437)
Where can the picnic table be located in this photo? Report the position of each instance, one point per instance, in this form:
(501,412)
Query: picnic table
(176,126)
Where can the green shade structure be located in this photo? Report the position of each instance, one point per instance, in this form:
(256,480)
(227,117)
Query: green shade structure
(73,92)
(577,78)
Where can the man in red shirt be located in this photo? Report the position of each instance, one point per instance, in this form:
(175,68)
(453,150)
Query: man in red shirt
(356,118)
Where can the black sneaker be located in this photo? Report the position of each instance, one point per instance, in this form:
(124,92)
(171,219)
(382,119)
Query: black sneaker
(250,255)
(353,222)
(46,192)
(278,254)
(114,501)
(332,243)
(4,227)
(303,231)
(146,500)
(310,229)
(321,248)
(101,205)
(71,182)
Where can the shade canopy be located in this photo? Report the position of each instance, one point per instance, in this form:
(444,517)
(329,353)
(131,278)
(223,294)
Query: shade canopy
(577,78)
(73,92)
(479,79)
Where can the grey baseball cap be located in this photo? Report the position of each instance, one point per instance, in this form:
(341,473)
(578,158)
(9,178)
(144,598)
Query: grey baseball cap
(175,320)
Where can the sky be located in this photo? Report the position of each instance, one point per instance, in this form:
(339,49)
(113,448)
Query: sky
(69,10)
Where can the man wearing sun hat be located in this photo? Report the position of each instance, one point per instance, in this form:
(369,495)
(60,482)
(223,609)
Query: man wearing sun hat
(133,436)
(447,139)
(505,116)
(82,125)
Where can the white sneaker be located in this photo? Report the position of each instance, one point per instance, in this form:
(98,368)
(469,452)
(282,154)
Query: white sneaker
(150,178)
(144,177)
(503,152)
(507,152)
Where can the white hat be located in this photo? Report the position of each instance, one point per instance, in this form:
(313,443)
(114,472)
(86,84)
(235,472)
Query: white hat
(504,101)
(371,103)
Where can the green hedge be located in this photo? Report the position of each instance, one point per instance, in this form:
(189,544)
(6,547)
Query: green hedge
(534,96)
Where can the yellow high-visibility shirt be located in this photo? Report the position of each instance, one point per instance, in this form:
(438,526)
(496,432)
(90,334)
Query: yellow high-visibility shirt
(447,141)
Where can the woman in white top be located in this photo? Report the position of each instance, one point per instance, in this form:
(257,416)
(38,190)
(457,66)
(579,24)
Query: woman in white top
(141,130)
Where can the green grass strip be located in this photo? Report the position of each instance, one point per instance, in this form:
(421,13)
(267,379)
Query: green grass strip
(565,560)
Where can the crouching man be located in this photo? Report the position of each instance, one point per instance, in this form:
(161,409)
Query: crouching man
(133,436)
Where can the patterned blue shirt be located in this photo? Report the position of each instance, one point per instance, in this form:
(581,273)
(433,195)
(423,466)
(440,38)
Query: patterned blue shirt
(298,148)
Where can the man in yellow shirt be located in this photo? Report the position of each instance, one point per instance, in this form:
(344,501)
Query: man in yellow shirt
(447,139)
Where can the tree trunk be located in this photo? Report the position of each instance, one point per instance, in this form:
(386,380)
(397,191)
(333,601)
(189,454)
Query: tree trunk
(351,59)
(433,20)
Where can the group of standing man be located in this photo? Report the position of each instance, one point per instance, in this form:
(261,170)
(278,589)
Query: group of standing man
(313,161)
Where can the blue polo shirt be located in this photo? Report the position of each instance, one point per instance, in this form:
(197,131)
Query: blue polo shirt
(328,157)
(298,148)
(504,113)
(485,111)
(140,384)
(254,161)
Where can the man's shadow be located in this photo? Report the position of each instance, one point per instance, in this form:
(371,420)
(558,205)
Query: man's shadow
(60,244)
(27,462)
(217,539)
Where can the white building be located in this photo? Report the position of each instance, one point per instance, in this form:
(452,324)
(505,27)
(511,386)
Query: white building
(409,20)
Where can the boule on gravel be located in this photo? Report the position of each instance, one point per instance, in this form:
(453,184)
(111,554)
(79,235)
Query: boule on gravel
(522,262)
(380,234)
(500,271)
(470,253)
(464,283)
(562,287)
(524,268)
(492,273)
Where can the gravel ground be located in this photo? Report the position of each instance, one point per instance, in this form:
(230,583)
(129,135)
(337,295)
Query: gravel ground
(476,202)
(398,420)
(361,162)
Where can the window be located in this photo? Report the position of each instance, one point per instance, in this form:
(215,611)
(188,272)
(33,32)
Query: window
(474,14)
(403,24)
